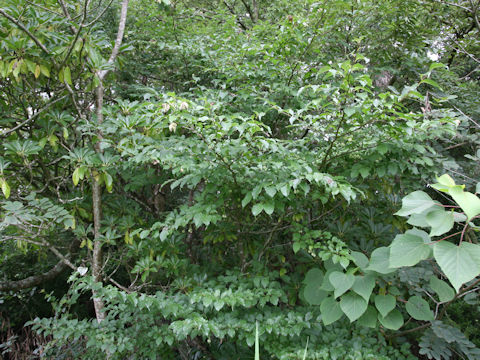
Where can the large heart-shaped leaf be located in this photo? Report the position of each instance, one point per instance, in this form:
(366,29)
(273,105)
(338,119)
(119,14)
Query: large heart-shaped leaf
(408,249)
(385,304)
(415,203)
(369,318)
(460,264)
(393,321)
(469,203)
(364,285)
(341,282)
(331,311)
(353,306)
(380,261)
(419,309)
(440,220)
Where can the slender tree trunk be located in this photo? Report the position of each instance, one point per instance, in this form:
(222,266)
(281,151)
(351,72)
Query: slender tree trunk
(97,256)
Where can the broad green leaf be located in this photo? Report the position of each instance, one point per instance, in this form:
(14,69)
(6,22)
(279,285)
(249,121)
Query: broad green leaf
(330,310)
(446,180)
(418,220)
(353,306)
(393,321)
(419,309)
(268,207)
(460,264)
(379,261)
(434,66)
(314,294)
(469,203)
(246,199)
(415,203)
(431,82)
(385,304)
(364,286)
(444,291)
(67,76)
(75,177)
(369,318)
(440,220)
(257,209)
(341,282)
(314,275)
(359,259)
(407,250)
(271,191)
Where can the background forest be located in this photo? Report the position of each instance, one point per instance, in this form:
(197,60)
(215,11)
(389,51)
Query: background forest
(242,178)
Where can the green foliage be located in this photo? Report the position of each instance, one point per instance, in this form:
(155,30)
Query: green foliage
(253,155)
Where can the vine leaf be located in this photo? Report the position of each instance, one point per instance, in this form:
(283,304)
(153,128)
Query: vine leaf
(460,264)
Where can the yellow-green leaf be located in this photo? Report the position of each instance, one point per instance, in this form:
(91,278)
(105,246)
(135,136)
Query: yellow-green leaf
(76,177)
(37,71)
(67,75)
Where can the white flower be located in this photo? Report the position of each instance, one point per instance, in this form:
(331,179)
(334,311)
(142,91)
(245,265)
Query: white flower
(82,270)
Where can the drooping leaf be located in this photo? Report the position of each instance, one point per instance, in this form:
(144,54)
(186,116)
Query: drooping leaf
(419,309)
(469,203)
(444,291)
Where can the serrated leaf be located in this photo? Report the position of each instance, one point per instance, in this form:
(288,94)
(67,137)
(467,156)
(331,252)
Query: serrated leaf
(393,321)
(444,291)
(440,220)
(407,250)
(385,304)
(415,203)
(353,306)
(369,318)
(460,264)
(341,282)
(419,309)
(330,310)
(364,286)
